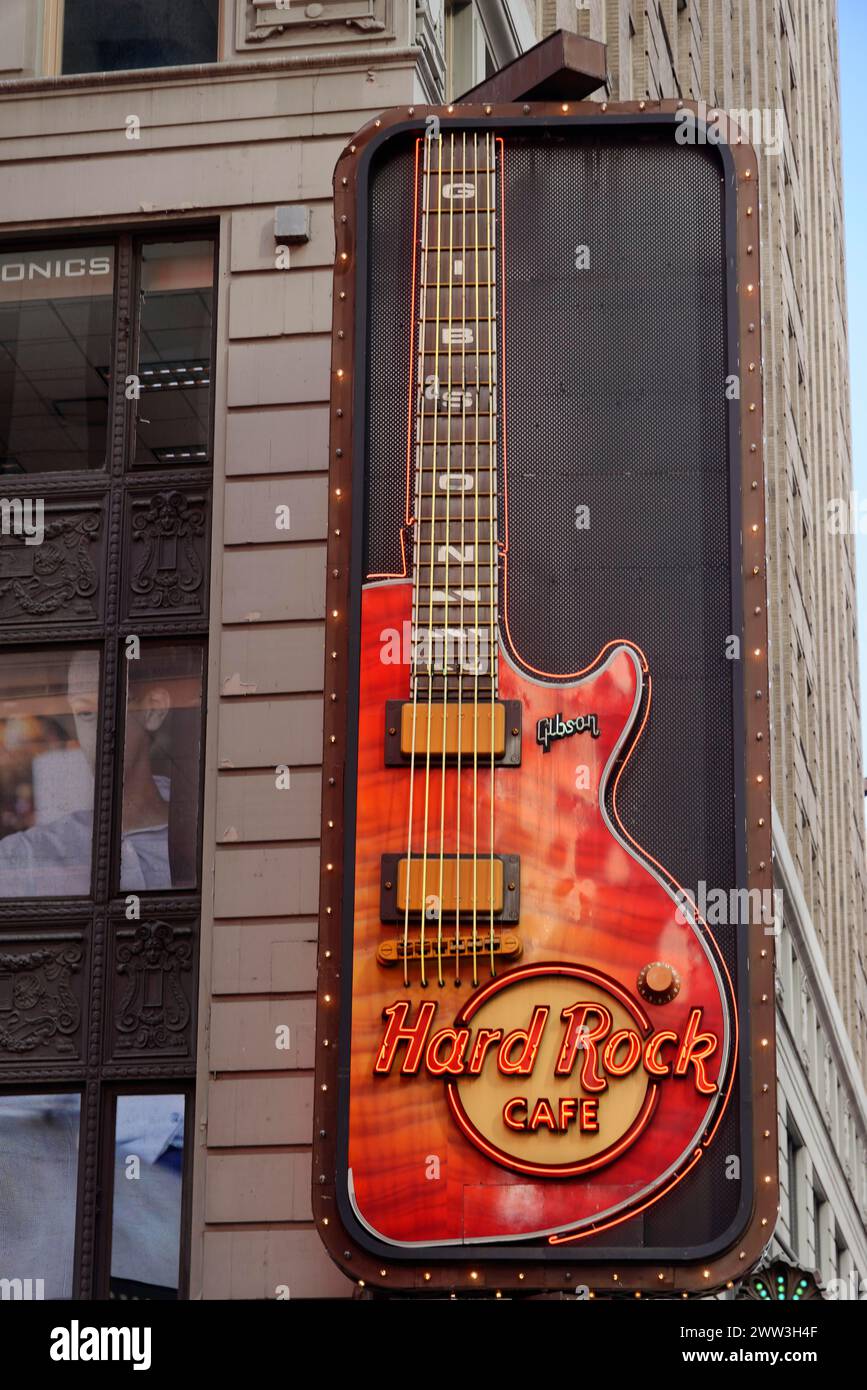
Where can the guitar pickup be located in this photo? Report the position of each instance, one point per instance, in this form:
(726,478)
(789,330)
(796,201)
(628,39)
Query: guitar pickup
(473,730)
(471,888)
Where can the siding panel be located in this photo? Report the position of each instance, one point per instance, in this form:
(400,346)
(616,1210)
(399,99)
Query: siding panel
(275,584)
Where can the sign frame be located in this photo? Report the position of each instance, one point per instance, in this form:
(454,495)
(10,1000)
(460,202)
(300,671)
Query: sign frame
(475,1269)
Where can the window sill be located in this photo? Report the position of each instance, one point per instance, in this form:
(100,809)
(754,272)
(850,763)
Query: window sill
(209,72)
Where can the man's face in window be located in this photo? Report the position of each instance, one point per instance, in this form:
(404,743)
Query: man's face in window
(148,703)
(82,687)
(147,707)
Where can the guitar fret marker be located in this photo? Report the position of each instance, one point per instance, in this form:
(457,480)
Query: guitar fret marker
(456,482)
(458,333)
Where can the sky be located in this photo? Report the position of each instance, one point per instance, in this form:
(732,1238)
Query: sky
(852,20)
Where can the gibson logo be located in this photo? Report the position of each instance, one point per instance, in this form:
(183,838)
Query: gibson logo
(558,727)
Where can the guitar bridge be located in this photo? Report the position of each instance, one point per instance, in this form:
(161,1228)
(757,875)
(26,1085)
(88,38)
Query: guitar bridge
(506,946)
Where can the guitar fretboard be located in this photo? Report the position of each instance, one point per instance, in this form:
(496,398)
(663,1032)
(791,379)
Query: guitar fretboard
(455,512)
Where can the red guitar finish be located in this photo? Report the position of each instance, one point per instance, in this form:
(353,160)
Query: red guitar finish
(589,899)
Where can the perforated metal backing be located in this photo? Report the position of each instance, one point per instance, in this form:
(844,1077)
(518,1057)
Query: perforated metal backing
(615,402)
(390,318)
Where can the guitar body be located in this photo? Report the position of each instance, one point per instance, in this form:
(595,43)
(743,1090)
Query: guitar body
(443,1158)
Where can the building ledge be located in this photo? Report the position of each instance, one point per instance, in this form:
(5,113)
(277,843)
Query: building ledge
(212,72)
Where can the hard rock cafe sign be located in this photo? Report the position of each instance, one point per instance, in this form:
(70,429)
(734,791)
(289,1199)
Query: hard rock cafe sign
(532,1049)
(590,1073)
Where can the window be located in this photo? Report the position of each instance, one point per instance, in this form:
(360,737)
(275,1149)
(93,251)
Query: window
(49,713)
(100,37)
(57,330)
(469,57)
(174,369)
(56,312)
(160,795)
(820,1253)
(39,1160)
(147,1187)
(792,1148)
(104,548)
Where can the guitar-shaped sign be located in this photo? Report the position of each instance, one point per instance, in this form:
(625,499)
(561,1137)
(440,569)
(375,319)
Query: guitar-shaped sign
(543,1031)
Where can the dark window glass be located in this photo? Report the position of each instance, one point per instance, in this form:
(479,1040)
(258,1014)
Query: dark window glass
(55,357)
(49,713)
(162,735)
(38,1186)
(148,1183)
(103,37)
(792,1148)
(174,353)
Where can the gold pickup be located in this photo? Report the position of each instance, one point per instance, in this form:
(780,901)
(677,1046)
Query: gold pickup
(474,888)
(435,722)
(482,883)
(468,730)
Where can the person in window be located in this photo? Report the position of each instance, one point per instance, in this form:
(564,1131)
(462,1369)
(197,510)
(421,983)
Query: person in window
(53,858)
(144,845)
(38,1182)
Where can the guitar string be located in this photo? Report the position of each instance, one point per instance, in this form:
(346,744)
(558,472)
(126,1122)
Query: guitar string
(460,663)
(476,593)
(420,418)
(430,646)
(445,618)
(490,178)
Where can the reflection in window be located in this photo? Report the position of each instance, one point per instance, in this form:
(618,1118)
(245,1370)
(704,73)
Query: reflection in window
(146,1211)
(174,366)
(49,709)
(38,1187)
(55,357)
(162,731)
(100,37)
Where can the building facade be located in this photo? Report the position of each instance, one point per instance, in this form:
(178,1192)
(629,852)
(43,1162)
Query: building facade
(166,254)
(775,63)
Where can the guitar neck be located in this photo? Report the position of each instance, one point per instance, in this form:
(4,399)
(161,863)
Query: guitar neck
(455,519)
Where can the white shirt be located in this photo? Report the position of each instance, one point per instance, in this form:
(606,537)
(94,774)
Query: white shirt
(54,860)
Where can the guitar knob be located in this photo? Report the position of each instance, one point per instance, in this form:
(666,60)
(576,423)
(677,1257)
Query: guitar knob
(658,982)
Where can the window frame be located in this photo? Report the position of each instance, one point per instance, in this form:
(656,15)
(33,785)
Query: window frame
(105,1206)
(150,238)
(116,892)
(100,1070)
(53,14)
(56,241)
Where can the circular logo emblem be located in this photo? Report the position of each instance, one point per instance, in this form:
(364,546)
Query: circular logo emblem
(563,1088)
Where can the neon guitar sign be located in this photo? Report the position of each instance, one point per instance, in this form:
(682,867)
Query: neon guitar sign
(543,1034)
